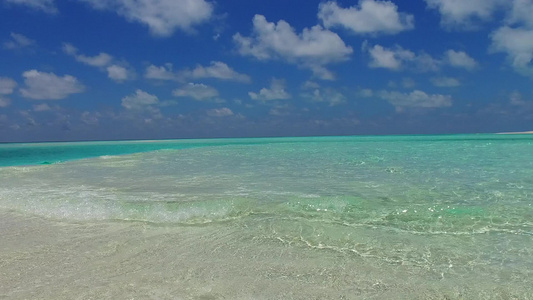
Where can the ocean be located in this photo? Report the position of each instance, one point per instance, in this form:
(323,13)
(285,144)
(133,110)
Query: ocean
(362,217)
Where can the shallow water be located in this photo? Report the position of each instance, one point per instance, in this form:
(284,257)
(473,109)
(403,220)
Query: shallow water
(443,217)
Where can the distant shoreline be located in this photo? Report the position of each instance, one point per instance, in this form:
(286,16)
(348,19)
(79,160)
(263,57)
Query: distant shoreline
(518,132)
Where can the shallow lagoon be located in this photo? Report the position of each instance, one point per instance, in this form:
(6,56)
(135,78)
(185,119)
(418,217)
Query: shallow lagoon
(443,217)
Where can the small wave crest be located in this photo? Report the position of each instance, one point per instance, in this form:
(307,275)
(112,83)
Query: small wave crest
(82,204)
(107,156)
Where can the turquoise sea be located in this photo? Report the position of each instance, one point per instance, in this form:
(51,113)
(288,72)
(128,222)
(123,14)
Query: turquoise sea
(369,217)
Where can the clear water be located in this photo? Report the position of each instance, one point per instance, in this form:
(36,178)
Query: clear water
(451,214)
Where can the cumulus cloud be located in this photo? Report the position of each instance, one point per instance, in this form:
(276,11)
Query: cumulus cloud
(48,86)
(416,99)
(316,93)
(369,17)
(313,49)
(100,60)
(41,107)
(137,104)
(365,93)
(515,98)
(515,38)
(218,70)
(103,61)
(521,13)
(18,41)
(162,17)
(7,85)
(160,73)
(4,102)
(460,59)
(398,58)
(197,91)
(220,112)
(517,43)
(392,59)
(445,82)
(461,14)
(328,95)
(139,100)
(408,82)
(90,118)
(309,85)
(119,73)
(47,6)
(275,92)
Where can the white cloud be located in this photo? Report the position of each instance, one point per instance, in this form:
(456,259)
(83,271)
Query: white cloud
(408,83)
(220,112)
(310,85)
(365,93)
(515,37)
(445,82)
(101,60)
(218,70)
(48,86)
(275,92)
(426,63)
(328,95)
(517,43)
(521,13)
(41,107)
(18,41)
(90,118)
(7,85)
(369,17)
(162,17)
(70,49)
(398,58)
(315,93)
(279,111)
(4,102)
(119,73)
(137,104)
(139,100)
(313,49)
(416,98)
(105,62)
(460,59)
(392,59)
(197,91)
(465,14)
(47,6)
(516,99)
(160,73)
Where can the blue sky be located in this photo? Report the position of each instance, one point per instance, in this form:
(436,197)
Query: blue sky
(147,69)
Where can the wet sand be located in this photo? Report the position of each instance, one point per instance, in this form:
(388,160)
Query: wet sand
(47,259)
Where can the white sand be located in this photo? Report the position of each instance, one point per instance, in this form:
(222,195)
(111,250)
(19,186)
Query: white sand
(45,259)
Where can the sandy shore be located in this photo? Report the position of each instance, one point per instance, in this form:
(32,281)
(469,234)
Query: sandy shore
(44,259)
(518,132)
